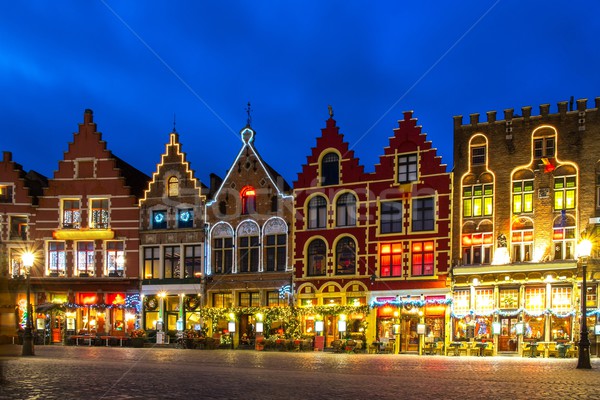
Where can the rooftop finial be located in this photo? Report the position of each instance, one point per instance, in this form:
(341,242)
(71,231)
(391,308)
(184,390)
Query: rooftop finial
(174,122)
(330,111)
(248,111)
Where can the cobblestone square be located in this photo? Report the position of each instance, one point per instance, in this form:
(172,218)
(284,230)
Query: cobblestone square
(58,372)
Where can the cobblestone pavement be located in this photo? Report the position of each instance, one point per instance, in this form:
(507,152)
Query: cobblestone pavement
(58,372)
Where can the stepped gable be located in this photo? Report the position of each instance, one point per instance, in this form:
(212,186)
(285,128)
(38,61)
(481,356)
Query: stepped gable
(331,138)
(408,137)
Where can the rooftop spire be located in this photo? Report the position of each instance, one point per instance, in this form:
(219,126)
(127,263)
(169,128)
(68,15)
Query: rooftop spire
(248,111)
(174,122)
(330,111)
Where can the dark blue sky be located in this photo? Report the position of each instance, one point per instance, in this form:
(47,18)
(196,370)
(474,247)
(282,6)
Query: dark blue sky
(138,63)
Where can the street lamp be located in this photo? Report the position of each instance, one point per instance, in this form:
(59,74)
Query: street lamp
(584,249)
(27,350)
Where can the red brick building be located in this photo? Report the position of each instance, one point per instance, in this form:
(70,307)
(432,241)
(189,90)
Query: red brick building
(87,238)
(380,238)
(19,193)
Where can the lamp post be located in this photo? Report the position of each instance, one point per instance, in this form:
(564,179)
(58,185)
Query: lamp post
(584,249)
(28,350)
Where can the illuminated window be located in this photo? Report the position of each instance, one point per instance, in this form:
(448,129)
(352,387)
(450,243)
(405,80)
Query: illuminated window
(462,300)
(316,258)
(248,200)
(477,248)
(330,169)
(478,155)
(249,299)
(99,213)
(561,299)
(423,217)
(509,298)
(478,200)
(159,219)
(71,213)
(151,262)
(564,238)
(345,255)
(543,147)
(173,186)
(317,212)
(522,196)
(407,168)
(171,260)
(56,258)
(484,300)
(422,254)
(274,300)
(275,249)
(6,193)
(390,259)
(390,219)
(565,191)
(535,298)
(346,210)
(192,261)
(115,258)
(222,300)
(223,255)
(249,248)
(592,296)
(18,227)
(185,218)
(85,258)
(522,241)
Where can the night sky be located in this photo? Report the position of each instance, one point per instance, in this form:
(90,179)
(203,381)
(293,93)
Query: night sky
(137,64)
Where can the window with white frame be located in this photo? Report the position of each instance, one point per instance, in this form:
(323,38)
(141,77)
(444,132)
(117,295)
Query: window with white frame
(543,147)
(99,213)
(484,300)
(346,210)
(115,258)
(18,227)
(563,238)
(461,301)
(478,154)
(85,258)
(535,298)
(390,259)
(477,248)
(6,192)
(71,213)
(151,262)
(57,264)
(561,298)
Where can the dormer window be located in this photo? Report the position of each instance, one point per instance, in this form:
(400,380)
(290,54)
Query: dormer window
(248,200)
(173,186)
(330,169)
(407,168)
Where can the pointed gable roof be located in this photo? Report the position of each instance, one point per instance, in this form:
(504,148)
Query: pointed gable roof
(248,135)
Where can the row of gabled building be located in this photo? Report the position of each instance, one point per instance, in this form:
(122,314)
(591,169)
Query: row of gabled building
(410,253)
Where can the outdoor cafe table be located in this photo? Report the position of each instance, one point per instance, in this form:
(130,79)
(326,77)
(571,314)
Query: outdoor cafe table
(481,346)
(546,348)
(456,347)
(89,338)
(533,349)
(119,338)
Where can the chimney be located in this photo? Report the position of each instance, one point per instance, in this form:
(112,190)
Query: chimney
(88,116)
(7,156)
(215,182)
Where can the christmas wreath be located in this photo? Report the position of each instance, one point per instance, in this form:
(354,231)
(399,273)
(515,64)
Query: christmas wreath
(192,303)
(150,303)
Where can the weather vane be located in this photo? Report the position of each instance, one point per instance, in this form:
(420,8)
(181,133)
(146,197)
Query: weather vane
(174,122)
(330,111)
(248,111)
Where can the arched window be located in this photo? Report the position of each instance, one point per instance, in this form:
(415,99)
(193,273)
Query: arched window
(345,256)
(317,212)
(317,258)
(346,210)
(173,186)
(330,169)
(248,200)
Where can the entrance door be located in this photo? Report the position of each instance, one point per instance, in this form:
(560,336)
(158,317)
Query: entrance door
(409,339)
(57,326)
(508,334)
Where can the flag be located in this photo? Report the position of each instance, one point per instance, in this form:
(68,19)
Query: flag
(548,164)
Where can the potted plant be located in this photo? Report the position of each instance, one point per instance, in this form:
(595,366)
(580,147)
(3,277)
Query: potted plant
(138,338)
